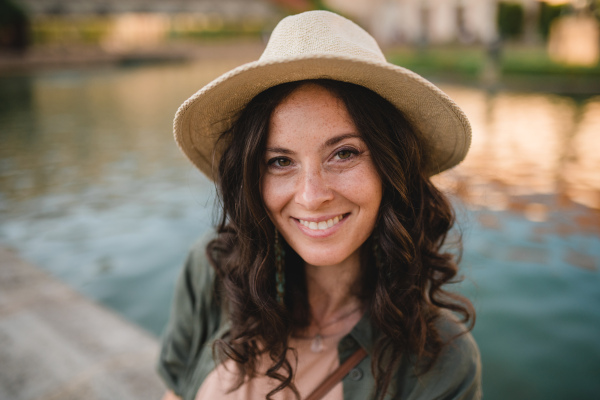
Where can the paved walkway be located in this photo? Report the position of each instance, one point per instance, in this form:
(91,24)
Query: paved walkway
(57,345)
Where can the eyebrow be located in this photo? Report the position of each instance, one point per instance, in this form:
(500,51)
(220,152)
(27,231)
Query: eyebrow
(281,150)
(335,140)
(330,142)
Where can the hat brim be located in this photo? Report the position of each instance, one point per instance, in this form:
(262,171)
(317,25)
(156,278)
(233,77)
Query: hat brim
(213,109)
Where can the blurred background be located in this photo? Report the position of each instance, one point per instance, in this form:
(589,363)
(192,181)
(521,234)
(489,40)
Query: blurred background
(94,190)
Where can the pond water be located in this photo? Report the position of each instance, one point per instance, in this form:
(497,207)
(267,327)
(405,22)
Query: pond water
(94,190)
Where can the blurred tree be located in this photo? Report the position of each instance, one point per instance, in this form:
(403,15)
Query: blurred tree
(510,20)
(14,26)
(548,13)
(296,6)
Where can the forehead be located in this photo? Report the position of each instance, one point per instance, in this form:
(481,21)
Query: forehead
(310,112)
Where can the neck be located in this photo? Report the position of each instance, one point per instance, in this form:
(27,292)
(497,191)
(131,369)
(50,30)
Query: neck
(330,289)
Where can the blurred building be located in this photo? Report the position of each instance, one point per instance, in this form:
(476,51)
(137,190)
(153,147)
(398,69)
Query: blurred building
(424,21)
(447,21)
(125,25)
(225,8)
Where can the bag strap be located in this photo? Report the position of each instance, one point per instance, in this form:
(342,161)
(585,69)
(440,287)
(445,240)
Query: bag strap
(337,375)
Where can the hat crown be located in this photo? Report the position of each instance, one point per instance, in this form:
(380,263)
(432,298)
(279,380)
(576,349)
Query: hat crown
(320,33)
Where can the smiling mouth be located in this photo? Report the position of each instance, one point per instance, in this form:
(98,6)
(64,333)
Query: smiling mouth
(322,225)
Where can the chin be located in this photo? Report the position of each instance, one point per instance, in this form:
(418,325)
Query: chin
(326,257)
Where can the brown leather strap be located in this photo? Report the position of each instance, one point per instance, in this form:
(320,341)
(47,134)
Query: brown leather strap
(337,375)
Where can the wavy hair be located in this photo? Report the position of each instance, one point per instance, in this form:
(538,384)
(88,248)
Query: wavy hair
(401,287)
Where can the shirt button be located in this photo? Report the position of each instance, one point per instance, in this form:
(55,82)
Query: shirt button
(356,374)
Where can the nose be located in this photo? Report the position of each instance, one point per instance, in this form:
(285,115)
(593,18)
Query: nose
(313,190)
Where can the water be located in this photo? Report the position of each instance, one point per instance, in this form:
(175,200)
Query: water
(93,189)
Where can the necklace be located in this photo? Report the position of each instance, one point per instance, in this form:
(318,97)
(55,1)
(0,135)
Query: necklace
(317,342)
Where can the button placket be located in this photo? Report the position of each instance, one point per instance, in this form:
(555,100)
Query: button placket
(356,374)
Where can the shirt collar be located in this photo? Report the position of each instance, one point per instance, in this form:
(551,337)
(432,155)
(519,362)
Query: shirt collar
(363,333)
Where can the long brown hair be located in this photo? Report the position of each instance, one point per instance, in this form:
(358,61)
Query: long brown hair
(402,283)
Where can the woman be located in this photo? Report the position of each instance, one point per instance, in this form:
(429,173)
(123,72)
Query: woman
(328,256)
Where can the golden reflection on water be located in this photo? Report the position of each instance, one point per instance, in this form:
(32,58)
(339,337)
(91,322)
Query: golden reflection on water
(530,152)
(72,129)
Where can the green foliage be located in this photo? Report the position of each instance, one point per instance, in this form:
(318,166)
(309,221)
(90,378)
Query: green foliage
(221,30)
(463,62)
(469,62)
(320,5)
(527,61)
(549,13)
(11,13)
(510,21)
(215,34)
(93,29)
(82,30)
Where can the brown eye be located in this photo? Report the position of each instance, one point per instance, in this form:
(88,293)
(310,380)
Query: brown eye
(343,154)
(282,162)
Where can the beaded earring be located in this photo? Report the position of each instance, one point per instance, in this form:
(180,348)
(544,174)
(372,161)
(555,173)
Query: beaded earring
(377,250)
(279,269)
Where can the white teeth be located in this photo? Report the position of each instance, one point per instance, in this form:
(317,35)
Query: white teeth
(321,225)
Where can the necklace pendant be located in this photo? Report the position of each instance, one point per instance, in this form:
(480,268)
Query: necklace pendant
(317,344)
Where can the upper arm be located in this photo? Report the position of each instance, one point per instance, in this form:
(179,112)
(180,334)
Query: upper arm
(194,316)
(459,370)
(456,374)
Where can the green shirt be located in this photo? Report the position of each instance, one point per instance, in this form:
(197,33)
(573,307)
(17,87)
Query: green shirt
(196,321)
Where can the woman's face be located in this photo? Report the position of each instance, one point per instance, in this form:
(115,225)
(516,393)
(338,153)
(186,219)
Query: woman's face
(319,184)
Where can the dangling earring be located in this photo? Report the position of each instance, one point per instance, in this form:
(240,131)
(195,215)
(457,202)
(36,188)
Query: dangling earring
(377,250)
(279,266)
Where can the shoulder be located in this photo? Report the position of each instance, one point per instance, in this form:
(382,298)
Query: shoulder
(456,374)
(198,254)
(458,341)
(195,315)
(198,276)
(195,286)
(459,360)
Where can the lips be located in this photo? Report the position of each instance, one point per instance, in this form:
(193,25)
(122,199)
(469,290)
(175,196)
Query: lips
(323,224)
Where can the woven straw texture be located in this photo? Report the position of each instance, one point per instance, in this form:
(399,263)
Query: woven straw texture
(321,45)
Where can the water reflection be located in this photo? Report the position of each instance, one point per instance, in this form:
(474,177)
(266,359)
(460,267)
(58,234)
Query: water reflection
(64,130)
(530,153)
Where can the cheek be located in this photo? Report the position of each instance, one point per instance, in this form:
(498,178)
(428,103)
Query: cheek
(371,197)
(364,187)
(274,194)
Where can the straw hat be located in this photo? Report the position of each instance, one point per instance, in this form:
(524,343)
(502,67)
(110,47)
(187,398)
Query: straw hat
(321,45)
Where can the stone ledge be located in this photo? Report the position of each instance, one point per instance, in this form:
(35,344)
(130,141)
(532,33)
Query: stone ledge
(57,344)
